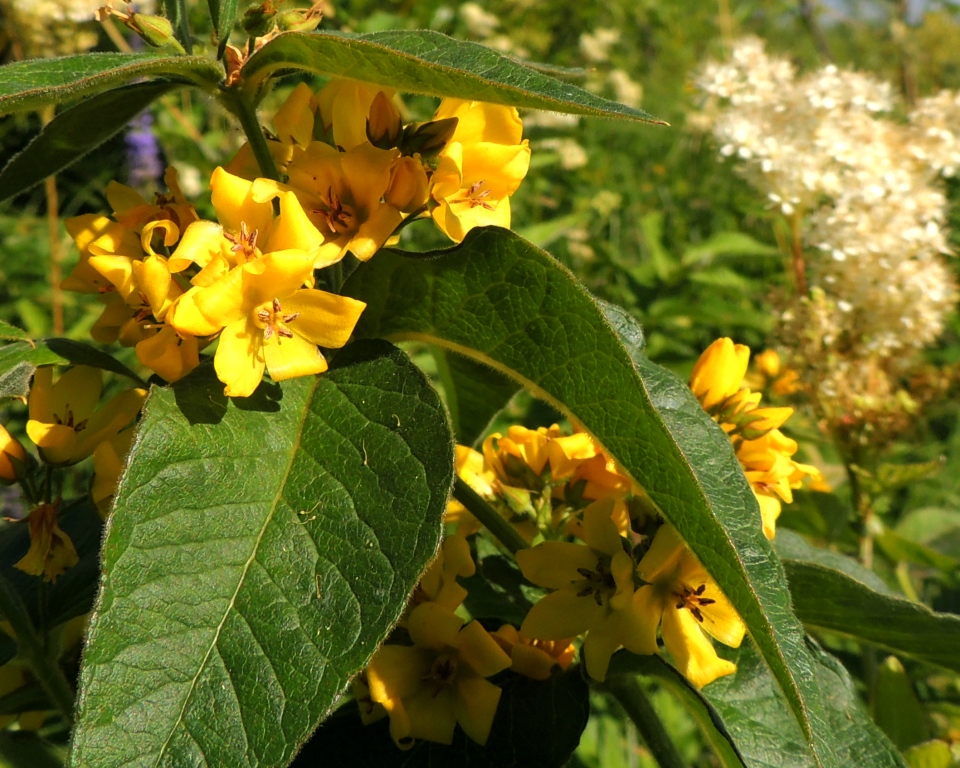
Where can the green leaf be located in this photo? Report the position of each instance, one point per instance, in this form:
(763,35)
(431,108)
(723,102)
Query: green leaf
(30,85)
(895,707)
(224,15)
(701,710)
(258,552)
(12,333)
(475,393)
(503,302)
(73,133)
(768,737)
(19,361)
(841,598)
(430,63)
(930,754)
(726,244)
(537,725)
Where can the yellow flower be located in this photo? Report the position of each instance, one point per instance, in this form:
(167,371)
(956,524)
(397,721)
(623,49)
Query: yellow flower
(536,659)
(51,551)
(682,597)
(595,592)
(719,372)
(132,211)
(479,168)
(344,106)
(11,455)
(267,320)
(105,237)
(439,582)
(65,423)
(108,460)
(342,193)
(438,682)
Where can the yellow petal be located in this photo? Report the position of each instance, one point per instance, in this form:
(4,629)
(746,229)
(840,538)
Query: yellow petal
(693,653)
(290,358)
(599,531)
(769,512)
(239,360)
(554,564)
(234,204)
(599,645)
(664,554)
(482,121)
(293,121)
(326,319)
(187,318)
(433,717)
(200,244)
(719,371)
(480,652)
(560,615)
(476,703)
(373,233)
(168,354)
(433,626)
(397,672)
(292,229)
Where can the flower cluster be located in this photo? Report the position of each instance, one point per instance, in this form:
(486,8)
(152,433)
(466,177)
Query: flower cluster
(762,449)
(615,573)
(171,283)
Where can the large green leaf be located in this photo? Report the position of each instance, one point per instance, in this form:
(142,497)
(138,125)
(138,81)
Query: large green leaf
(18,362)
(258,552)
(498,299)
(430,63)
(26,85)
(73,133)
(537,725)
(845,598)
(475,393)
(754,712)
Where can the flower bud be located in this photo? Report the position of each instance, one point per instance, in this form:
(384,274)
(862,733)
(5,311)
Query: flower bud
(12,456)
(259,20)
(408,185)
(299,20)
(155,30)
(384,126)
(428,138)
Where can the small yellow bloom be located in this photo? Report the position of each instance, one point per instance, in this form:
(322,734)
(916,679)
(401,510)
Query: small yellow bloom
(51,551)
(132,211)
(342,193)
(536,659)
(473,471)
(344,107)
(438,682)
(479,168)
(267,320)
(595,592)
(11,454)
(65,423)
(682,597)
(719,372)
(439,582)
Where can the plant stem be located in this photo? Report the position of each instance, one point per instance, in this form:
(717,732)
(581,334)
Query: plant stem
(505,533)
(31,649)
(53,233)
(631,696)
(234,101)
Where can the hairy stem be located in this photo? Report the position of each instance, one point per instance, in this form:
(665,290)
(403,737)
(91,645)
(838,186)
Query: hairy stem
(235,102)
(631,696)
(505,533)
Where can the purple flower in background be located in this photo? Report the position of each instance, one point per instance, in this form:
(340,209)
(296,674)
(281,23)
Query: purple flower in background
(143,153)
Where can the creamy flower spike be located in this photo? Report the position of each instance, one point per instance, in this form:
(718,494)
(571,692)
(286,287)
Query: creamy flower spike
(439,682)
(65,423)
(595,592)
(682,597)
(480,167)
